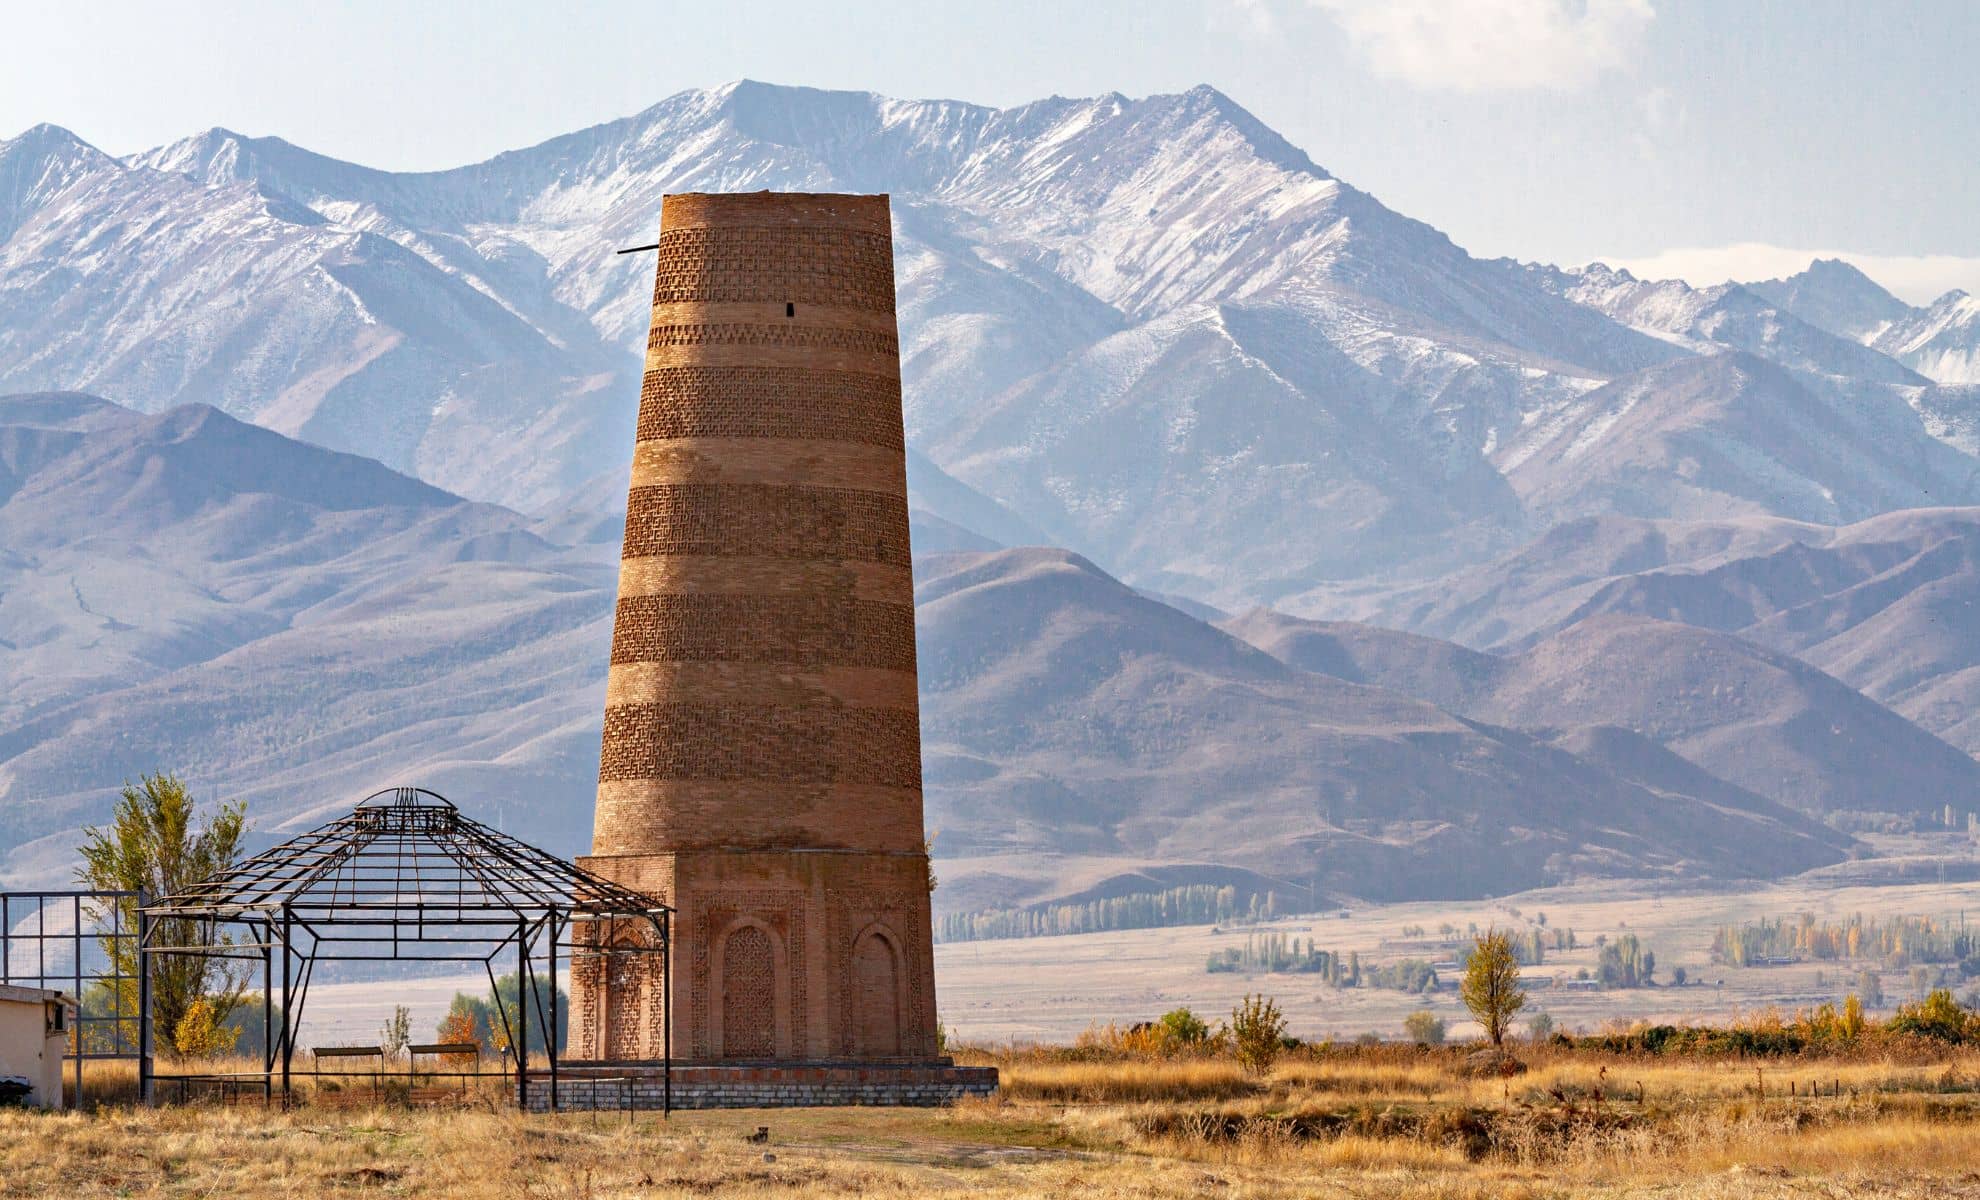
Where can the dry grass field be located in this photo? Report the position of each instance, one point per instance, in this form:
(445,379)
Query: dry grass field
(1386,1121)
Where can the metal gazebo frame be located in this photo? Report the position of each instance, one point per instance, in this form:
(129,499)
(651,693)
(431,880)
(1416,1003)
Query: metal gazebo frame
(403,877)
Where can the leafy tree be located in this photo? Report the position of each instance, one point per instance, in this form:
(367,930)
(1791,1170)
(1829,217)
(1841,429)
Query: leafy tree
(1540,1026)
(1184,1028)
(484,1015)
(202,1033)
(245,1025)
(1851,1025)
(1491,985)
(154,845)
(1625,963)
(457,1029)
(1424,1027)
(1258,1030)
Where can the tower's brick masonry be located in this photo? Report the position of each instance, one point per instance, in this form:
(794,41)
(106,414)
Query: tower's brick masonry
(761,768)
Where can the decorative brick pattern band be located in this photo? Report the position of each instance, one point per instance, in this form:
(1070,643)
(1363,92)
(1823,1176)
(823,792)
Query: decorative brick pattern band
(793,402)
(759,683)
(845,267)
(687,740)
(773,629)
(778,210)
(773,462)
(751,815)
(729,575)
(766,521)
(776,337)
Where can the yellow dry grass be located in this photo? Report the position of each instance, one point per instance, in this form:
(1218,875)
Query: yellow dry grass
(1387,1122)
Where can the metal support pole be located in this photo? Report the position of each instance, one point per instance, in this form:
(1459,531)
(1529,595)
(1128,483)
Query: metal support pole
(76,1030)
(521,1014)
(550,1035)
(145,1072)
(666,1014)
(288,1003)
(268,1012)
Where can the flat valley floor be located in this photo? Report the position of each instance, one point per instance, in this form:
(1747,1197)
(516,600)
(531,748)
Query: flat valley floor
(1052,989)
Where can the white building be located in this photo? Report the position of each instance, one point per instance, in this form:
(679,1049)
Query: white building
(34,1035)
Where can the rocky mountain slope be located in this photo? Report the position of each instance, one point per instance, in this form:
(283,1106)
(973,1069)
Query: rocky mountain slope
(1940,341)
(1887,605)
(294,627)
(1756,718)
(1065,714)
(1152,330)
(281,623)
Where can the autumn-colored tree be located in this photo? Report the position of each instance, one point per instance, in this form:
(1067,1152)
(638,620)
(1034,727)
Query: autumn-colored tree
(1851,1025)
(201,1033)
(457,1029)
(1491,985)
(154,845)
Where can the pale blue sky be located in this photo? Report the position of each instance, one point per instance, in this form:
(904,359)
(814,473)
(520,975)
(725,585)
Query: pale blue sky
(1547,129)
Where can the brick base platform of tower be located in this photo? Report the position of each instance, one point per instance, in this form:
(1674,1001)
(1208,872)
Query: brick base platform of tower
(645,1088)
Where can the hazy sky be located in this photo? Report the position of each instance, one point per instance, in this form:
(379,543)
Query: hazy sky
(1730,137)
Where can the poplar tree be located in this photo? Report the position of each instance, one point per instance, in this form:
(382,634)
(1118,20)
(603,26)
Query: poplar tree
(153,845)
(1491,985)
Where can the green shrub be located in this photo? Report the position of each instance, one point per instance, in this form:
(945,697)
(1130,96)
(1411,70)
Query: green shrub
(1184,1028)
(1258,1030)
(1425,1028)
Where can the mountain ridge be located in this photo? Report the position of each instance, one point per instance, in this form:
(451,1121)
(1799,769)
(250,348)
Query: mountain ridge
(473,326)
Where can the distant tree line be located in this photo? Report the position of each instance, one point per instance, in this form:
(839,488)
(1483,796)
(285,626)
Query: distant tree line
(1528,948)
(1192,904)
(1897,942)
(1276,954)
(1625,962)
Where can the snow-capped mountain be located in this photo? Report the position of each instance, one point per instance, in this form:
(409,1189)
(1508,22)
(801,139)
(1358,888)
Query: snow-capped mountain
(1940,341)
(1152,330)
(1710,320)
(1833,295)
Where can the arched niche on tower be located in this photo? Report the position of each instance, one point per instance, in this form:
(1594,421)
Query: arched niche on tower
(875,999)
(749,973)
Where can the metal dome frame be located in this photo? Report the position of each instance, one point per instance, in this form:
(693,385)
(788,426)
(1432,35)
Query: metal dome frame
(403,877)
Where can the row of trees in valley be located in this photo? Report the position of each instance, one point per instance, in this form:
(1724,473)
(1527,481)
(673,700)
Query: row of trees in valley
(1192,904)
(1896,942)
(1276,954)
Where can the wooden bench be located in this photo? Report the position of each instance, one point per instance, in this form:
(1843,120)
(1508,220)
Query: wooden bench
(416,1050)
(319,1053)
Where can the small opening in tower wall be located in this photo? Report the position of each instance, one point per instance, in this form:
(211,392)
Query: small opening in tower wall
(790,310)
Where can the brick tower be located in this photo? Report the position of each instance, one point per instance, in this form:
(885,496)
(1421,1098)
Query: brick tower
(761,768)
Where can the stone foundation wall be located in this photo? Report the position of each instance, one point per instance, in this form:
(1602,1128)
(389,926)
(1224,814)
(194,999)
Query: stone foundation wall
(831,1085)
